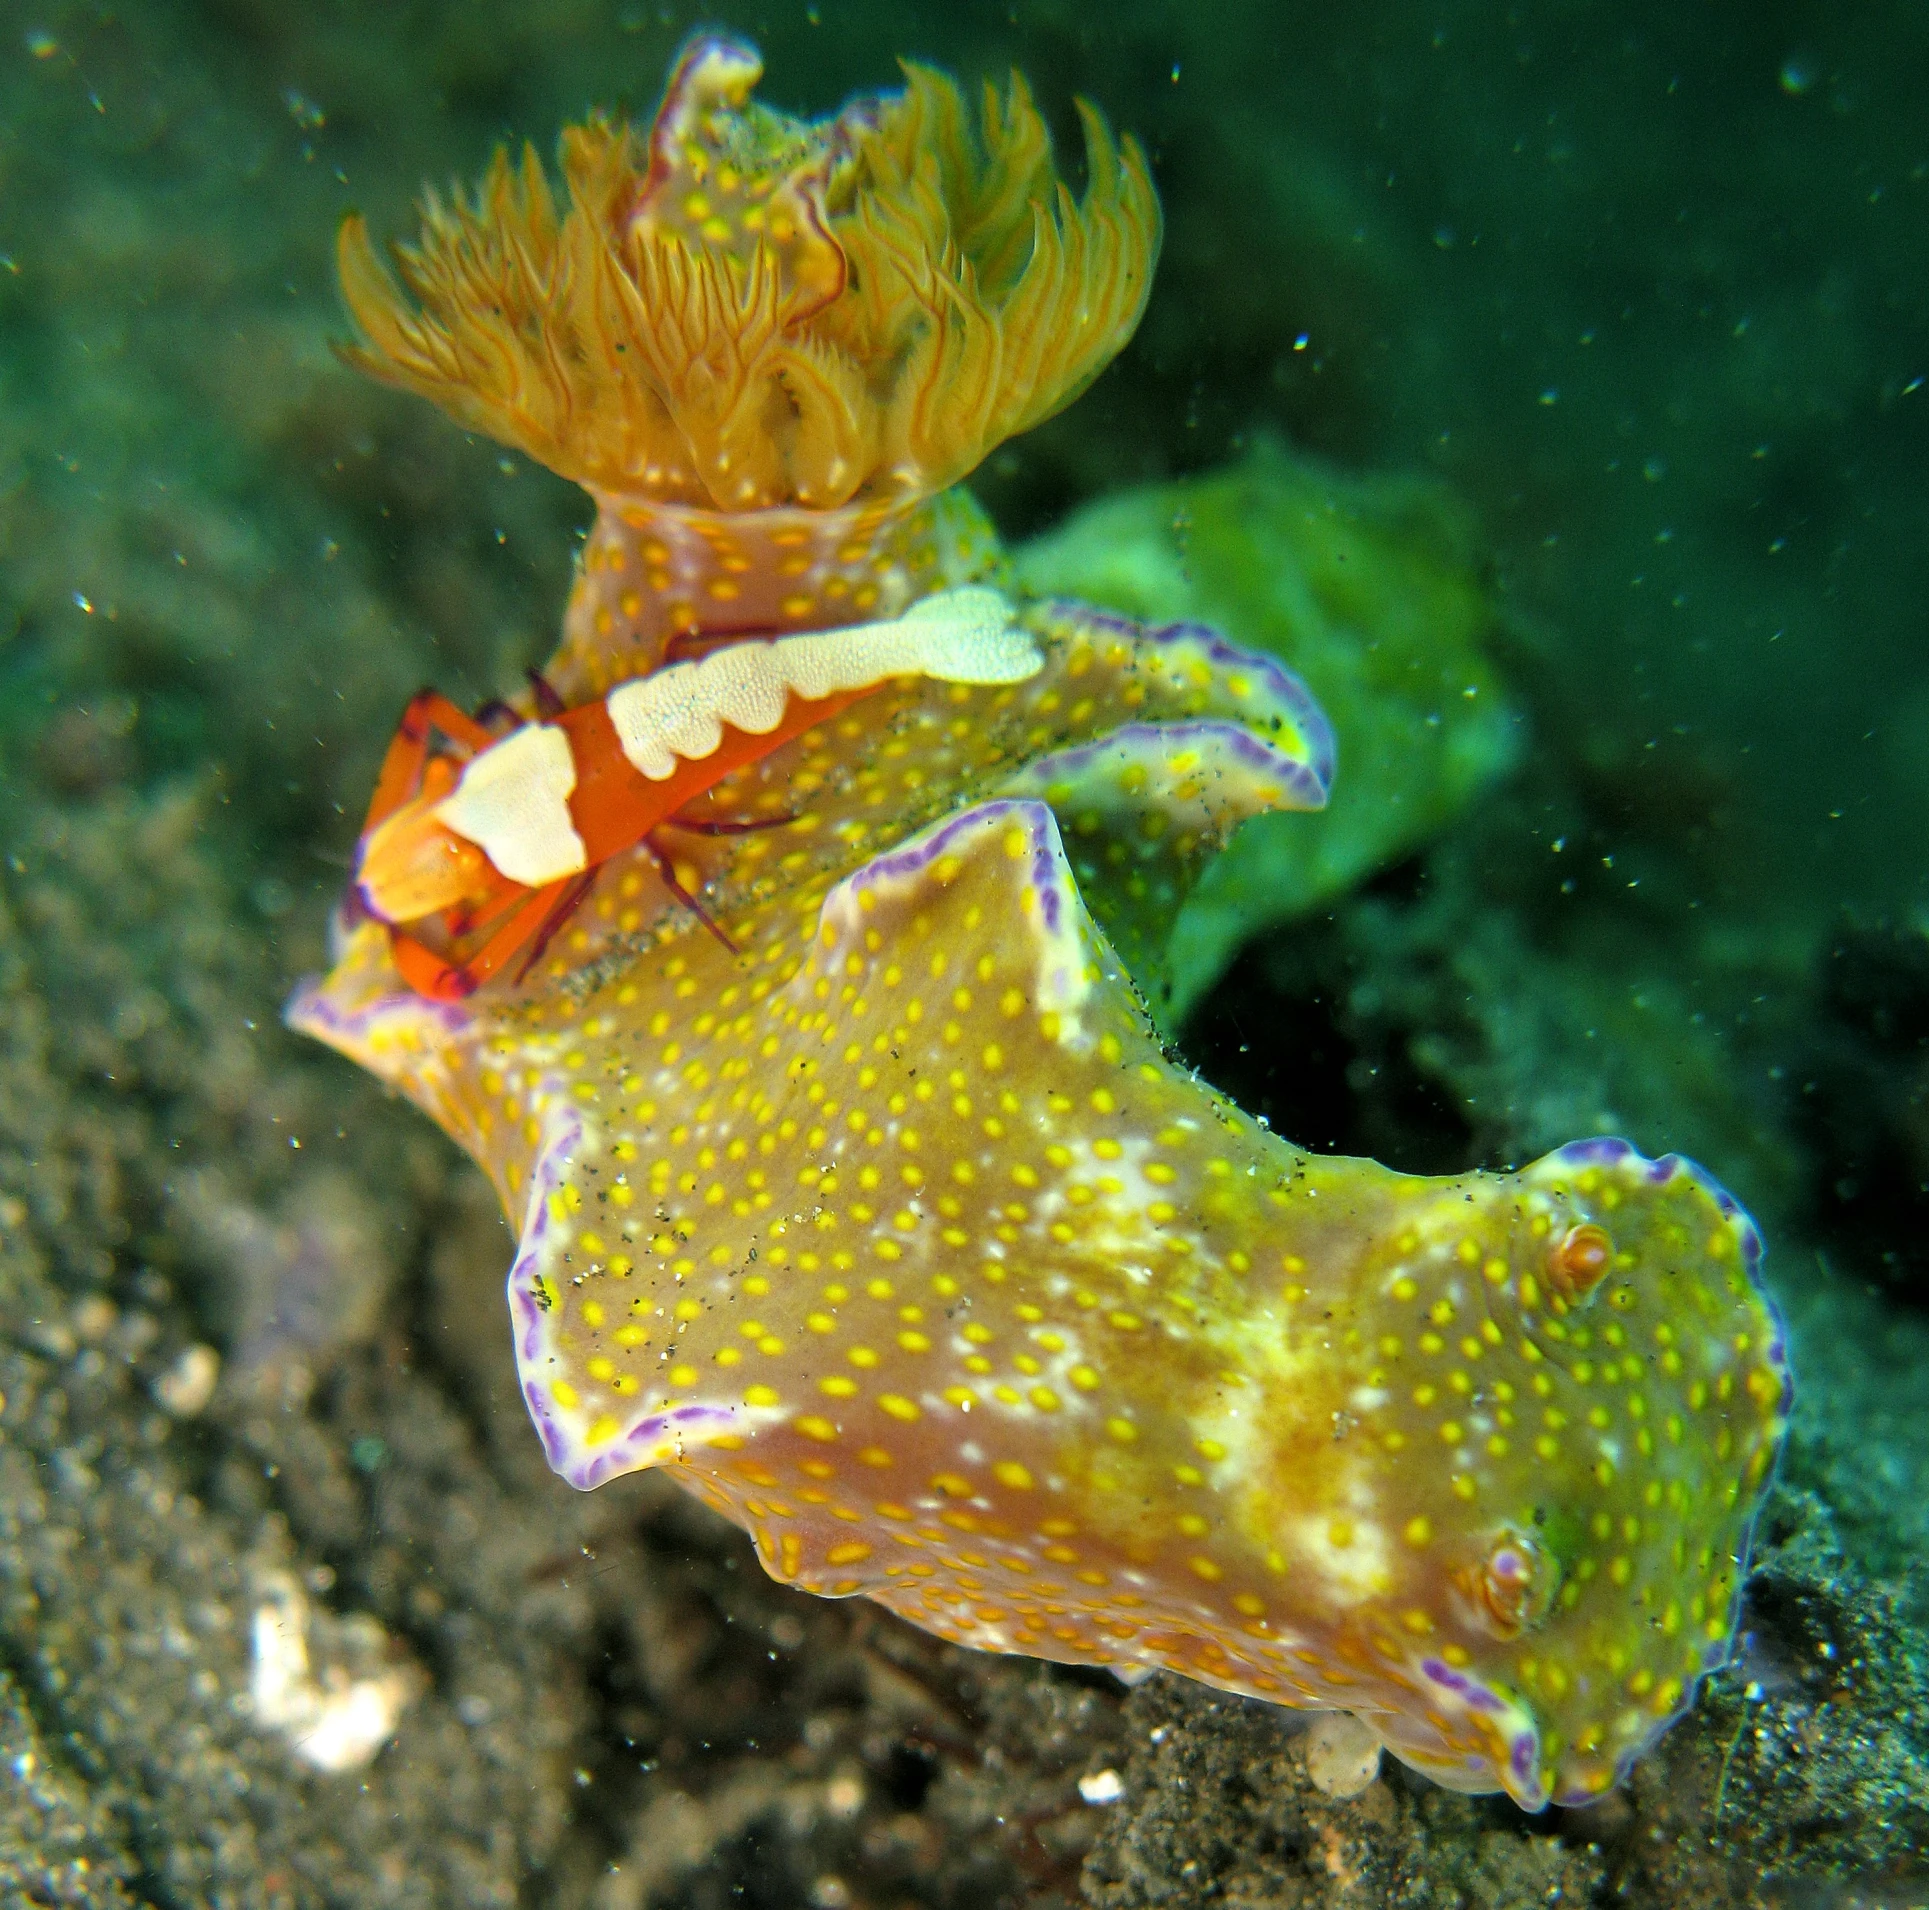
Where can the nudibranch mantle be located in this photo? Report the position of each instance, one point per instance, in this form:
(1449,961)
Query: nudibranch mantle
(891,1226)
(904,1242)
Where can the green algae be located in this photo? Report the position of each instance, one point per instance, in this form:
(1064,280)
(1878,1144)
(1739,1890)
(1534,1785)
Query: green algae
(1372,589)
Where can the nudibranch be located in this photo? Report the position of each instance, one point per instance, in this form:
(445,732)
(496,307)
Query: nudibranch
(890,1226)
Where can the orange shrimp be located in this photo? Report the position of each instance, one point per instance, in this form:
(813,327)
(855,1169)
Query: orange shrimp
(480,843)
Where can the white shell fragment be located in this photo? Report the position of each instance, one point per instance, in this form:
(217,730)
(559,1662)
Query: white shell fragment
(959,636)
(335,1721)
(513,804)
(183,1391)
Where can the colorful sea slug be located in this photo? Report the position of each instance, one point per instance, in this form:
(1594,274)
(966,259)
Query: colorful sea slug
(869,1201)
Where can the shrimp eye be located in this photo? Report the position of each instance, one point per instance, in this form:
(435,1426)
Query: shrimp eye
(1577,1261)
